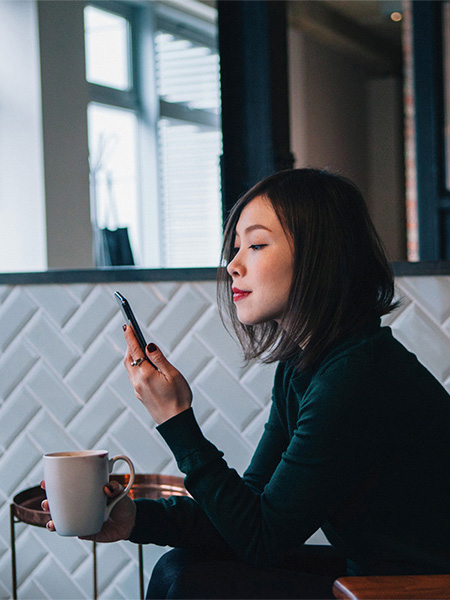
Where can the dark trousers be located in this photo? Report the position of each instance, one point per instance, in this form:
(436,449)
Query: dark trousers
(199,574)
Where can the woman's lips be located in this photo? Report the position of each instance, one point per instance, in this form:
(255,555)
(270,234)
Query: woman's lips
(239,294)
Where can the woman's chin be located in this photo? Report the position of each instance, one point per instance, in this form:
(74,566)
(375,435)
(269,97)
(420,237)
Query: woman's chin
(249,320)
(245,320)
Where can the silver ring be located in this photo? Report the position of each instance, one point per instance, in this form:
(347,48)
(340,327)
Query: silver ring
(137,362)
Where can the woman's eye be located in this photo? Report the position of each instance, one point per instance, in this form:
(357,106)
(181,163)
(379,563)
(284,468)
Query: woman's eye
(257,246)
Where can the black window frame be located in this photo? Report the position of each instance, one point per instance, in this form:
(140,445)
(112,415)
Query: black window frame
(433,197)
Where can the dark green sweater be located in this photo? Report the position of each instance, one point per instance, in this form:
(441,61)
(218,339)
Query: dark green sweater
(360,447)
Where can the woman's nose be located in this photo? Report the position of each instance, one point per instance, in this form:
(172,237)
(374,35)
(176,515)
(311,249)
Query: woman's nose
(235,266)
(230,268)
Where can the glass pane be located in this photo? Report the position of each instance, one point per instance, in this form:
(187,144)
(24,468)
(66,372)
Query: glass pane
(113,169)
(192,214)
(187,72)
(446,67)
(108,55)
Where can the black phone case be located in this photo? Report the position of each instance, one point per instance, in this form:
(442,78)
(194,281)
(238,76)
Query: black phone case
(131,319)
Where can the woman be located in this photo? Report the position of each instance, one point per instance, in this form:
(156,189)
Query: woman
(357,440)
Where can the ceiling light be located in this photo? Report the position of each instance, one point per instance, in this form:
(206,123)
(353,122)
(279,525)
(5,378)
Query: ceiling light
(396,16)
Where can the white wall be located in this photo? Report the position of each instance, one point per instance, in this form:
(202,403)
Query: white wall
(63,386)
(44,223)
(22,212)
(344,120)
(65,138)
(387,201)
(328,109)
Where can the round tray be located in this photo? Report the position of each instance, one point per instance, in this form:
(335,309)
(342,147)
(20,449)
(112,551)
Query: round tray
(26,505)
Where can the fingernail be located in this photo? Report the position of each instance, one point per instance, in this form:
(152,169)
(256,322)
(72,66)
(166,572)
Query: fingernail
(151,347)
(124,327)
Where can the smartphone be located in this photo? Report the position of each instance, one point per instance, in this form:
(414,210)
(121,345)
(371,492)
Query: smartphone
(131,320)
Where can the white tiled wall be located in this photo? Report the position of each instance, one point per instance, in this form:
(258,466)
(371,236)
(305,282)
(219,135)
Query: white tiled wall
(63,386)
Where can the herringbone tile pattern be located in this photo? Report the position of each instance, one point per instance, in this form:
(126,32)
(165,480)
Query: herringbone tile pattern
(63,386)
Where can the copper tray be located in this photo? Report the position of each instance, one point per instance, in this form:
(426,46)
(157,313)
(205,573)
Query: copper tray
(26,505)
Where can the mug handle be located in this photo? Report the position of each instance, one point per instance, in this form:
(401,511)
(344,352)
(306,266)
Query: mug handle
(111,462)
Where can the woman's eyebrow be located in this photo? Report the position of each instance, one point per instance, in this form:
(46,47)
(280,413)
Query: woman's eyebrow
(256,226)
(253,227)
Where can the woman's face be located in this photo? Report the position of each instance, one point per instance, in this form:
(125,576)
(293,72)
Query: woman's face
(262,267)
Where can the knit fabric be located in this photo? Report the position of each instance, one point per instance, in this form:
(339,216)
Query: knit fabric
(360,447)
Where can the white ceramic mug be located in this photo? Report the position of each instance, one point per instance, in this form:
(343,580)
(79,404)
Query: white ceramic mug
(74,483)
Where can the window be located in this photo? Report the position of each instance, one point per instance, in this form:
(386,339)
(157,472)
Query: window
(190,144)
(154,132)
(107,48)
(430,26)
(113,132)
(113,169)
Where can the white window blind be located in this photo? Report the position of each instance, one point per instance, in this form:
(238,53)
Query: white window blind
(187,72)
(190,145)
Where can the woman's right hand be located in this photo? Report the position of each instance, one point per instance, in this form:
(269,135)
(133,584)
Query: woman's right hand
(120,523)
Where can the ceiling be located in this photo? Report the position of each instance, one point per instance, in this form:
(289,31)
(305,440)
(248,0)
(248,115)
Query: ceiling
(362,29)
(373,15)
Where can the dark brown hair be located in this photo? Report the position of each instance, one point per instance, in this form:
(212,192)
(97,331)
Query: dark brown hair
(342,280)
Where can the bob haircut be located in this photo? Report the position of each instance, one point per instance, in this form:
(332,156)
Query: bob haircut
(342,280)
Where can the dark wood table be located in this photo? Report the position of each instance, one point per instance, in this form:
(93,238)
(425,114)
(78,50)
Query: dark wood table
(410,587)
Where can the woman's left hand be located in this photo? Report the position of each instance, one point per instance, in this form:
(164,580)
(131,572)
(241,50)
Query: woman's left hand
(160,387)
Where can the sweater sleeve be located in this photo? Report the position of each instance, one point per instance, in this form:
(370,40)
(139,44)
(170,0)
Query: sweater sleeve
(312,475)
(177,521)
(268,453)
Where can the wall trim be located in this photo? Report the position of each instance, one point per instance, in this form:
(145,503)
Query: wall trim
(112,274)
(421,268)
(108,275)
